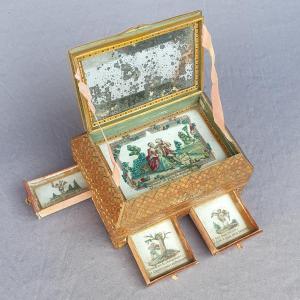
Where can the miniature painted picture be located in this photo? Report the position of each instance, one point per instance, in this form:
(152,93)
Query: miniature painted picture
(163,152)
(146,70)
(57,188)
(223,220)
(160,249)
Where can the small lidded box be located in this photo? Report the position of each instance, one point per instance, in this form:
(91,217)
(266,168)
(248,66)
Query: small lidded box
(151,122)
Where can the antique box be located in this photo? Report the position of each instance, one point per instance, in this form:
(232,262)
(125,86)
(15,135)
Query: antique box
(152,149)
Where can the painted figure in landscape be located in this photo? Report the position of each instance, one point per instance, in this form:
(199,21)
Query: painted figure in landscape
(60,185)
(163,157)
(152,157)
(154,248)
(158,249)
(224,223)
(62,190)
(160,156)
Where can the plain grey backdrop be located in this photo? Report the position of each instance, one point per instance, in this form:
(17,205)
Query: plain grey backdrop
(68,255)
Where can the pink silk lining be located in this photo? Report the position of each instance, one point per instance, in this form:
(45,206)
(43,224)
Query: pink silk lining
(215,93)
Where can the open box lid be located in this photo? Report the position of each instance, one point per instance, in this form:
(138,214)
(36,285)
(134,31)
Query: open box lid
(139,68)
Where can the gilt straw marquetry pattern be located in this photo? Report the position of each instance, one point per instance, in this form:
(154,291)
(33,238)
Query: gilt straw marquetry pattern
(176,198)
(107,198)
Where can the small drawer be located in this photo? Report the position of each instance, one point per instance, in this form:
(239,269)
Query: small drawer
(223,222)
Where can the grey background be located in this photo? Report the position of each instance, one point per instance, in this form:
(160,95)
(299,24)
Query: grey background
(68,255)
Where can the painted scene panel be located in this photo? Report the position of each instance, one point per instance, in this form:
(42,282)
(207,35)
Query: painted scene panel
(59,189)
(163,152)
(160,249)
(222,220)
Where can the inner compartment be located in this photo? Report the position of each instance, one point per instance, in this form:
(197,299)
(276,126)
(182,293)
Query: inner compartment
(164,144)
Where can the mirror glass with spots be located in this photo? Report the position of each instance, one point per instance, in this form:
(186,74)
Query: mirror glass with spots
(127,77)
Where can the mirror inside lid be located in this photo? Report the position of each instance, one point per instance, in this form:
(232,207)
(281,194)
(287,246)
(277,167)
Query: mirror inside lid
(136,74)
(139,68)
